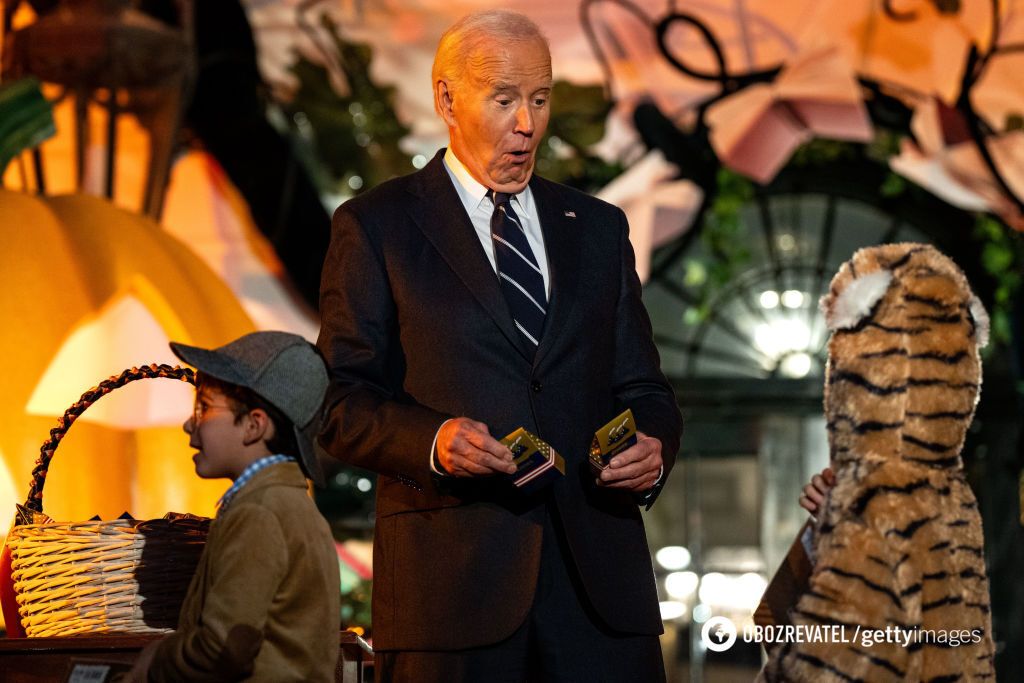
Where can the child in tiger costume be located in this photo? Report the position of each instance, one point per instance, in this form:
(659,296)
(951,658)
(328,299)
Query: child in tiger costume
(898,545)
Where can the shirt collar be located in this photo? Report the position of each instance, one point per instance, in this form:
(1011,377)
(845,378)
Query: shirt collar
(473,194)
(248,474)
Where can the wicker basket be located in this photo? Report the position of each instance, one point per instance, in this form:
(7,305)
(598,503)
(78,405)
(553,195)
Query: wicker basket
(122,575)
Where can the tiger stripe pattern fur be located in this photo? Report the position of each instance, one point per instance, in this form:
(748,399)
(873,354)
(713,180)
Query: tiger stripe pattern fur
(898,543)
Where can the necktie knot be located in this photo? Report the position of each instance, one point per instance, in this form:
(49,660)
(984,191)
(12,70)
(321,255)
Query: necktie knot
(500,198)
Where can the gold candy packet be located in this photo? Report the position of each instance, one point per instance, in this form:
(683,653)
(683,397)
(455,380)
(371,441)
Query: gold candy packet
(612,439)
(537,463)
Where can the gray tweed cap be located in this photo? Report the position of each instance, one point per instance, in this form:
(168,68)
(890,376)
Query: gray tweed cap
(282,368)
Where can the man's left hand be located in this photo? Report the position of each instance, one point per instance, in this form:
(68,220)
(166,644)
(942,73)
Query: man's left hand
(635,469)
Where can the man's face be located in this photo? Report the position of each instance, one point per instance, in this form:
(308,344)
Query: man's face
(498,112)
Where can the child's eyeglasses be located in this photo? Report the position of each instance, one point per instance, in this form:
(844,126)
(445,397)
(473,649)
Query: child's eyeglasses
(201,408)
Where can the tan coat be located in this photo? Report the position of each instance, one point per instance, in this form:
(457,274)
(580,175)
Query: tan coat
(264,604)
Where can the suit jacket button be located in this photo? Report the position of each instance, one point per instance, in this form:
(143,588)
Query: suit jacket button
(536,386)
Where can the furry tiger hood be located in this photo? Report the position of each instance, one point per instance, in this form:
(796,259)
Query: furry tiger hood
(898,546)
(904,373)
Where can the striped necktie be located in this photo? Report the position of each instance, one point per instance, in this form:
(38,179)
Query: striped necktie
(518,273)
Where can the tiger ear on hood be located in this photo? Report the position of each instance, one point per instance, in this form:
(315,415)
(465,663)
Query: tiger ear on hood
(855,301)
(981,321)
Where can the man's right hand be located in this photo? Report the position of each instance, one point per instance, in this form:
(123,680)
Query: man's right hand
(465,448)
(814,493)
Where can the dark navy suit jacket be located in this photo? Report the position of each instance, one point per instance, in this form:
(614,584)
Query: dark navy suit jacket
(415,331)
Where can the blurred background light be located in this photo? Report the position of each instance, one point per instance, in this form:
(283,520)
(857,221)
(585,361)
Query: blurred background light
(673,557)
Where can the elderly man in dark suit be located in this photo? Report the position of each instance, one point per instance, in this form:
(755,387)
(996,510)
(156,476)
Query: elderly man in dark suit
(462,302)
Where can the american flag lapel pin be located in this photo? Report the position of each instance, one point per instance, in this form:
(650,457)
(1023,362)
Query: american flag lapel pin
(570,214)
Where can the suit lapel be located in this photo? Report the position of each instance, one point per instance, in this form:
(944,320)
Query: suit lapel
(558,223)
(443,220)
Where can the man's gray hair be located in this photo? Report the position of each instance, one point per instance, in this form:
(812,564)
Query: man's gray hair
(458,42)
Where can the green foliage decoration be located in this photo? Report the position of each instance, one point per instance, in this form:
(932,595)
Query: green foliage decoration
(578,115)
(819,152)
(26,118)
(725,238)
(355,136)
(1002,257)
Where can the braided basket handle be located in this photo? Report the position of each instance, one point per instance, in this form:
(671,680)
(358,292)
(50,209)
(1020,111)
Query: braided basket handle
(34,502)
